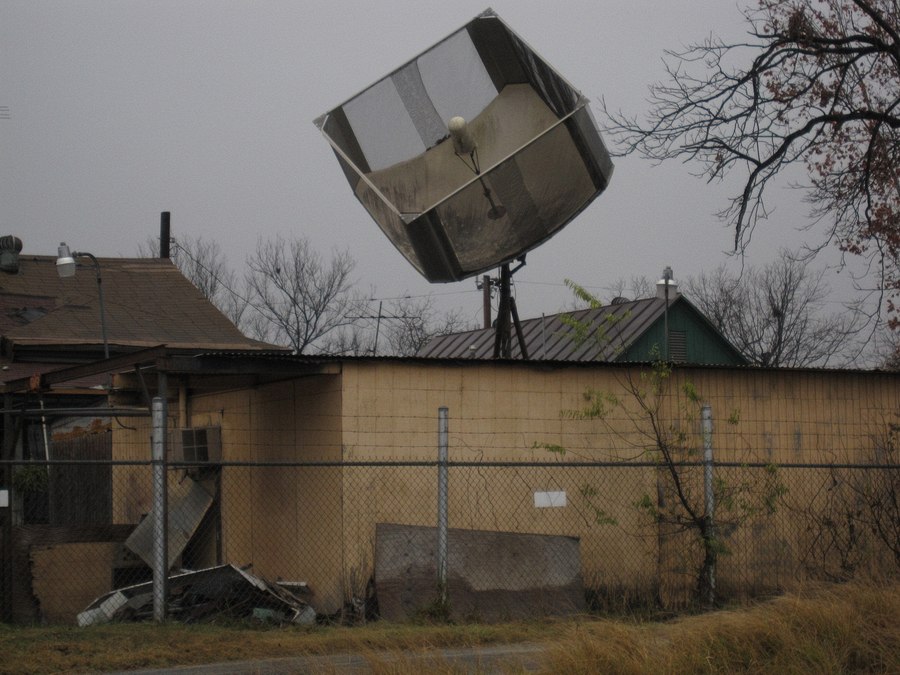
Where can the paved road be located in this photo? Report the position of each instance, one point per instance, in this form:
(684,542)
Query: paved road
(497,658)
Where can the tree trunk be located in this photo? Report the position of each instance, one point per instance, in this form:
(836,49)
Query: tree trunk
(706,583)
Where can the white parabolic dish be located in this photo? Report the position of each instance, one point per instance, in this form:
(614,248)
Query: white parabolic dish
(538,159)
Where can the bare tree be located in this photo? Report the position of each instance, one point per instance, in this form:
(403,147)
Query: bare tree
(636,288)
(816,84)
(400,327)
(300,298)
(892,362)
(852,520)
(776,315)
(355,339)
(886,350)
(416,321)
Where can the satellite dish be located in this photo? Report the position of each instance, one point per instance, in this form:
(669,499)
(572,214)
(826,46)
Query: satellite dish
(472,153)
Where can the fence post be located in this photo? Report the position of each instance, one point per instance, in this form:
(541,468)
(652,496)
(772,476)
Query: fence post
(707,427)
(443,510)
(706,417)
(160,510)
(7,453)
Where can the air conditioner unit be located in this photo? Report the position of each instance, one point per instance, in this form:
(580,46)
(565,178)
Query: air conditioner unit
(196,445)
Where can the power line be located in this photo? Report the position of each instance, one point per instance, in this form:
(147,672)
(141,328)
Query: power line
(261,311)
(379,317)
(407,296)
(422,295)
(215,276)
(557,285)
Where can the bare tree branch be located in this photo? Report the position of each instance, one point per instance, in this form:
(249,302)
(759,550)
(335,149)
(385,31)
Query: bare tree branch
(300,298)
(416,321)
(817,84)
(776,315)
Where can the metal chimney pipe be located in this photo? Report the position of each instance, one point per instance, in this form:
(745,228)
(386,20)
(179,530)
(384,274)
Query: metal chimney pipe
(164,236)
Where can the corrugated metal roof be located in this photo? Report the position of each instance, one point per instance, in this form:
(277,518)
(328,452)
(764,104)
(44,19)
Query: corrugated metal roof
(609,331)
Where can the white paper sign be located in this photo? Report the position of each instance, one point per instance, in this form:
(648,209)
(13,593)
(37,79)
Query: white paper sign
(546,500)
(4,499)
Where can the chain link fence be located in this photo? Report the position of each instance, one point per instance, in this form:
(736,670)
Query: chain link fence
(355,540)
(348,498)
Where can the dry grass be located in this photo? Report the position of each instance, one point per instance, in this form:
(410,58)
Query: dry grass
(834,629)
(134,646)
(853,628)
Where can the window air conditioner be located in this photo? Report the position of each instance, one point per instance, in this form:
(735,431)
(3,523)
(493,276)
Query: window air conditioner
(196,445)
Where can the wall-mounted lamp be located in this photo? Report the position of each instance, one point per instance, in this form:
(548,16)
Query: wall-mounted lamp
(66,266)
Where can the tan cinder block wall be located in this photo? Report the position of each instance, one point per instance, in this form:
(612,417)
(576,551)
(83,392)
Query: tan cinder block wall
(498,412)
(796,416)
(317,523)
(285,521)
(793,417)
(132,485)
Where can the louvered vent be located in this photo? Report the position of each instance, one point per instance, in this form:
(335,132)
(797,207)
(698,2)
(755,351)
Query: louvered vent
(677,346)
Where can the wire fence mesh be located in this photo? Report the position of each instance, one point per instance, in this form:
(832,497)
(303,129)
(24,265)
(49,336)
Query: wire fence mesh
(354,540)
(338,497)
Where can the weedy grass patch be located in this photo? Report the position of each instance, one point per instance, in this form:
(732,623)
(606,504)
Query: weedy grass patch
(824,629)
(850,628)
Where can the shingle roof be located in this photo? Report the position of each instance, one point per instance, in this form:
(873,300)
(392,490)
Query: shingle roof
(551,338)
(147,302)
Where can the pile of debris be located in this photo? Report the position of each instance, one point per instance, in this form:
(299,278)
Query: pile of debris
(203,595)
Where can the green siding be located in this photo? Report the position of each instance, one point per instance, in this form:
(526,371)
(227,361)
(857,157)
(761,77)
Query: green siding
(704,345)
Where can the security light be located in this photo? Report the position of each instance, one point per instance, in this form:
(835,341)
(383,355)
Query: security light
(66,266)
(65,263)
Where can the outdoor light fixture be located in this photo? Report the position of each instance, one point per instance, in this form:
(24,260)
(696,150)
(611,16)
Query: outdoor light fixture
(66,266)
(65,263)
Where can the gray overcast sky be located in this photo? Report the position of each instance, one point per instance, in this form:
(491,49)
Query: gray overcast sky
(121,109)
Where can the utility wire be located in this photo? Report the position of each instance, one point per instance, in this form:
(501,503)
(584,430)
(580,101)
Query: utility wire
(214,276)
(557,285)
(422,295)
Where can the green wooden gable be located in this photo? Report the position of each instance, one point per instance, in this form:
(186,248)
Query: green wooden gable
(692,339)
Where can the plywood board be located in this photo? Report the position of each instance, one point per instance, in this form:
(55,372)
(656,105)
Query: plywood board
(67,577)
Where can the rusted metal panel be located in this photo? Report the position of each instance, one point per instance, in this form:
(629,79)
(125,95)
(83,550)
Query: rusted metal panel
(491,575)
